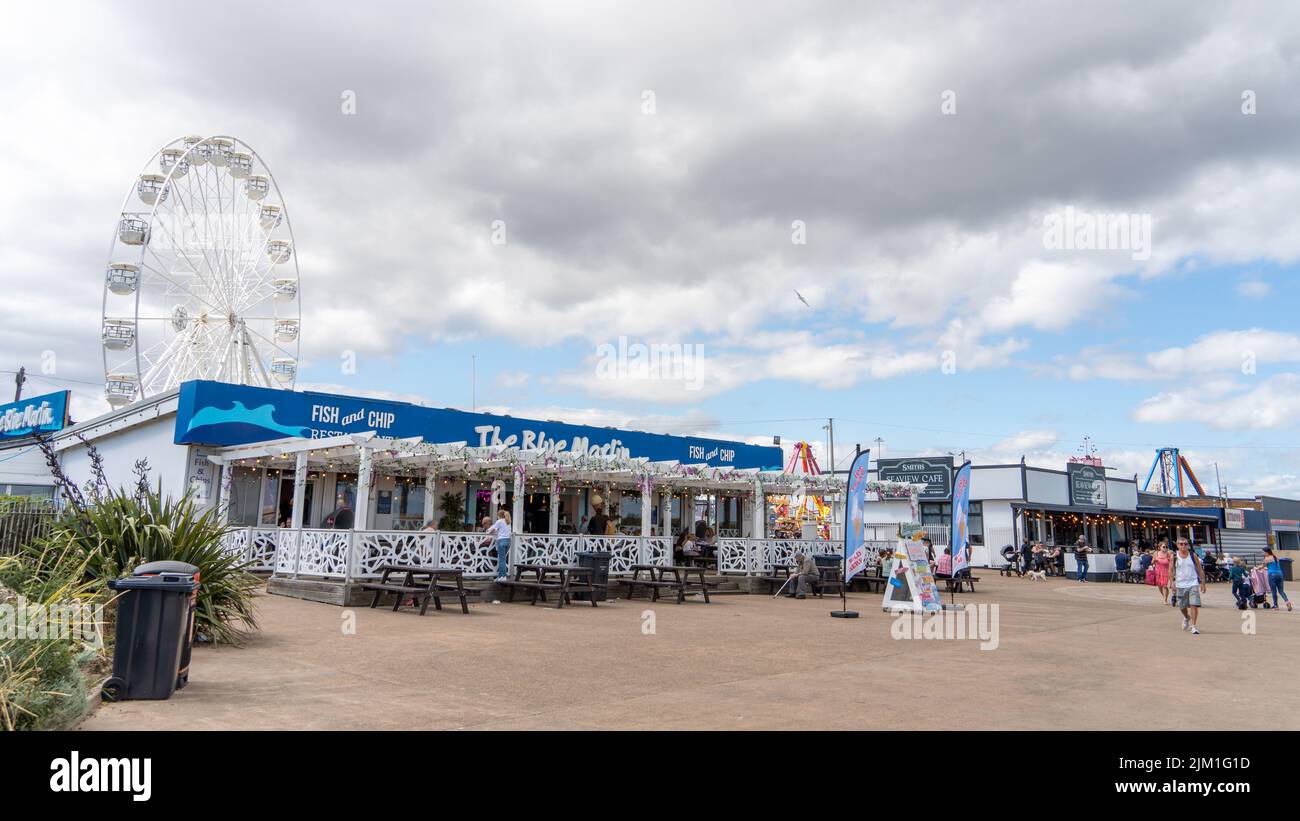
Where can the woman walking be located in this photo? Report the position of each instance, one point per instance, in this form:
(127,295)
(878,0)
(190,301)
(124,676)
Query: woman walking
(1275,577)
(1161,564)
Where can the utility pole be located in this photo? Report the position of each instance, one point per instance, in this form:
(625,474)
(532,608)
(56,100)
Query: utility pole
(19,379)
(830,427)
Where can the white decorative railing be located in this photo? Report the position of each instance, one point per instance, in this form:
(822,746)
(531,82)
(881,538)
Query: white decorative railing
(323,553)
(734,556)
(347,554)
(753,557)
(624,551)
(262,544)
(474,553)
(531,548)
(373,549)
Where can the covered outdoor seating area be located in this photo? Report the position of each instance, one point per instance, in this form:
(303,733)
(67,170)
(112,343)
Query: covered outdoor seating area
(362,552)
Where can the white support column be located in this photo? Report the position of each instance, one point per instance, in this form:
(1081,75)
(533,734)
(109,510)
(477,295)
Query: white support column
(645,509)
(665,514)
(299,489)
(430,493)
(224,486)
(553,525)
(759,529)
(361,516)
(517,509)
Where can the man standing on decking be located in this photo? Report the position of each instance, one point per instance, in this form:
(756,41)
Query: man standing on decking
(1189,583)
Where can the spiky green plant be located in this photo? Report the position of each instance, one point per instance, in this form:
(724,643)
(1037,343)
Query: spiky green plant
(125,529)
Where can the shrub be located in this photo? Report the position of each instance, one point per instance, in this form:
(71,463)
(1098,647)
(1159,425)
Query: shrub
(116,530)
(42,684)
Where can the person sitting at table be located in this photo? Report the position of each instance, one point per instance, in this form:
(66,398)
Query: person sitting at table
(1121,563)
(808,575)
(1141,562)
(1058,560)
(1210,563)
(944,565)
(685,546)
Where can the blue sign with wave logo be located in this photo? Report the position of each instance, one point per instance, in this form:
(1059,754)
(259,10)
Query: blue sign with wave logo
(220,414)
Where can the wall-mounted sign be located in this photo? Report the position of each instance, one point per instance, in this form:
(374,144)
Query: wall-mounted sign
(40,414)
(1234,519)
(1087,485)
(217,413)
(935,474)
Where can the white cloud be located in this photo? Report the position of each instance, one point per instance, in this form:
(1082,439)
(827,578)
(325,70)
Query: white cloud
(1275,404)
(1254,289)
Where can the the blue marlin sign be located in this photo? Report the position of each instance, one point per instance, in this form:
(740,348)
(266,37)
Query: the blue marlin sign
(40,414)
(216,413)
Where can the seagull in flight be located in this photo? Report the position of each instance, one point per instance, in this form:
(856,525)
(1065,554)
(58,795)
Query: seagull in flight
(801,299)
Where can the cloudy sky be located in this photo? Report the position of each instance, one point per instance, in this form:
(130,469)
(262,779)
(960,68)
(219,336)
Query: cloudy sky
(520,184)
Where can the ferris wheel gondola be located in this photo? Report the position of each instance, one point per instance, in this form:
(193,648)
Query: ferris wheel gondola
(202,276)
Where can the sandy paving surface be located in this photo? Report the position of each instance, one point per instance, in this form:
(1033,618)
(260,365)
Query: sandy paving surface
(1092,656)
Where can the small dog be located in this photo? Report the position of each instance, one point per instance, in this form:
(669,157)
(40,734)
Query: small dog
(1037,575)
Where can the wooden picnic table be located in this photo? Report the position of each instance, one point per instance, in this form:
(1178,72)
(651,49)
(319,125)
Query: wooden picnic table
(420,584)
(657,577)
(954,584)
(699,561)
(563,579)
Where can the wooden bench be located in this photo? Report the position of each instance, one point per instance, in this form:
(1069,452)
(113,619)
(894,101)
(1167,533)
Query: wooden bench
(776,578)
(656,579)
(420,584)
(564,580)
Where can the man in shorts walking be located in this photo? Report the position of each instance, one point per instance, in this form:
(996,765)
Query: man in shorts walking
(1189,584)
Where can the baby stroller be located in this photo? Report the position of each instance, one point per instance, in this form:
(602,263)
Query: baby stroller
(1259,588)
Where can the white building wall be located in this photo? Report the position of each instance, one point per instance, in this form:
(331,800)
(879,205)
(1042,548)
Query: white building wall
(1121,495)
(151,440)
(23,465)
(1047,488)
(995,483)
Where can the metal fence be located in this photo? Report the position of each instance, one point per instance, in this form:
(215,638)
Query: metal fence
(24,520)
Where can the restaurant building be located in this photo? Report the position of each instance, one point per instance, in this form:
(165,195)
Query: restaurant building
(328,486)
(1011,502)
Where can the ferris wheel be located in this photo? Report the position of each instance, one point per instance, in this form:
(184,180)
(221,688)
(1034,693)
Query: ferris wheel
(202,278)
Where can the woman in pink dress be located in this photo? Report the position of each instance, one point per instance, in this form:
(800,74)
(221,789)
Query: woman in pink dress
(1161,563)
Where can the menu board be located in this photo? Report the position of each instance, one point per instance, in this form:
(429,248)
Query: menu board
(911,585)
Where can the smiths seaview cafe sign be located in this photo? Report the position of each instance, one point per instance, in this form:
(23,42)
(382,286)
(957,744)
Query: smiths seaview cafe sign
(1087,484)
(216,413)
(935,474)
(40,414)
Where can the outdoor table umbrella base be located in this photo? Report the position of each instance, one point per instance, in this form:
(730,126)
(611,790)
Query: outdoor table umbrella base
(845,612)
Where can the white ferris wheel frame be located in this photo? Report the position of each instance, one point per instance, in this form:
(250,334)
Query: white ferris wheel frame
(236,347)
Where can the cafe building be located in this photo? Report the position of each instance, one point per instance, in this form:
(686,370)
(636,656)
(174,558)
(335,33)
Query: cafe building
(329,487)
(1011,502)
